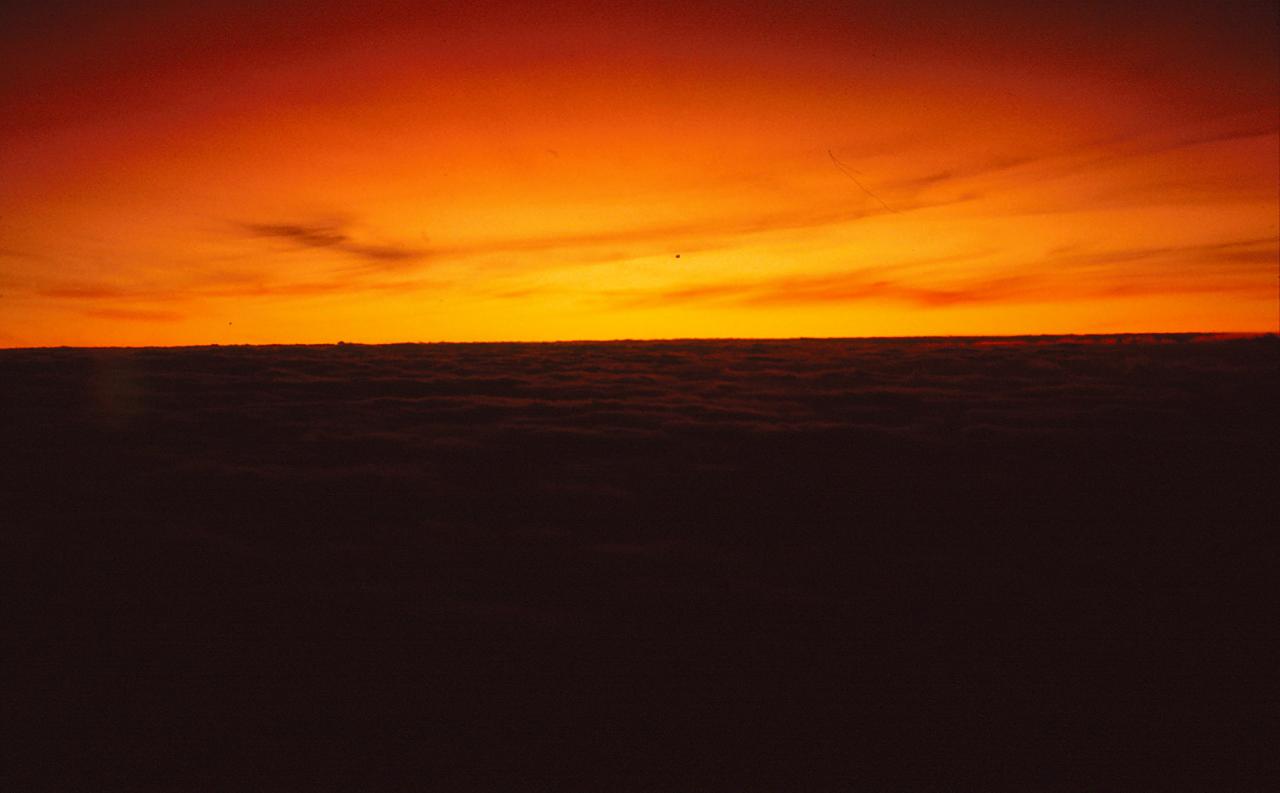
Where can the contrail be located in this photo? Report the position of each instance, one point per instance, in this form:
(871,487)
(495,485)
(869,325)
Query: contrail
(847,171)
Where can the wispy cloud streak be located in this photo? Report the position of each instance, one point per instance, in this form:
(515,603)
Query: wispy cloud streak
(332,236)
(1063,276)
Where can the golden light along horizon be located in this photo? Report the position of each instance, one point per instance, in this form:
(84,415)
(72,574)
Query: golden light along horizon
(579,173)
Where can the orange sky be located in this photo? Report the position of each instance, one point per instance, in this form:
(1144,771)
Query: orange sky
(191,173)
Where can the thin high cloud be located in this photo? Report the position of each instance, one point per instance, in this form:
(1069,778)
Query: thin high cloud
(846,287)
(336,237)
(134,314)
(381,267)
(377,265)
(1098,152)
(1066,273)
(238,288)
(1073,274)
(727,228)
(1250,251)
(1245,266)
(703,233)
(884,282)
(709,233)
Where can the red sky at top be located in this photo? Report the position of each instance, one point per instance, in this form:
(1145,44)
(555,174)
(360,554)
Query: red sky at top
(185,173)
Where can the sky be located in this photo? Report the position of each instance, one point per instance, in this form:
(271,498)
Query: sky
(231,172)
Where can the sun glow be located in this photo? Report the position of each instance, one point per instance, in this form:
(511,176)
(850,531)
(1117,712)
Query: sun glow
(427,177)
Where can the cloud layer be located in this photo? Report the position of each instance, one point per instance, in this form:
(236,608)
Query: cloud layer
(302,557)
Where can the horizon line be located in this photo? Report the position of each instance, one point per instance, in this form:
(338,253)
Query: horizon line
(656,340)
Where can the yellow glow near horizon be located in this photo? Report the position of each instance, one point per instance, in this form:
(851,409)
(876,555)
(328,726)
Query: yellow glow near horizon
(581,183)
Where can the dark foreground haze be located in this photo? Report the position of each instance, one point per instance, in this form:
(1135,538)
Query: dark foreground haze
(773,565)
